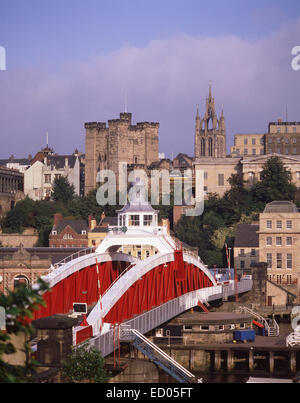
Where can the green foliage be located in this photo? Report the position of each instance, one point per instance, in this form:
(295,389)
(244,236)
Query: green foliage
(63,191)
(84,363)
(221,215)
(275,184)
(19,305)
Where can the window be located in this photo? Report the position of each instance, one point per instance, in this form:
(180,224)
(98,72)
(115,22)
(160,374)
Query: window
(254,151)
(147,253)
(68,236)
(269,241)
(83,232)
(286,140)
(221,179)
(205,175)
(270,140)
(139,254)
(47,178)
(289,241)
(269,260)
(253,142)
(245,141)
(20,280)
(204,327)
(278,140)
(289,261)
(279,261)
(134,220)
(278,241)
(242,325)
(242,264)
(187,328)
(278,279)
(289,279)
(278,129)
(289,224)
(253,252)
(246,151)
(148,220)
(221,327)
(294,140)
(232,326)
(298,175)
(294,129)
(294,150)
(279,224)
(269,224)
(54,232)
(242,252)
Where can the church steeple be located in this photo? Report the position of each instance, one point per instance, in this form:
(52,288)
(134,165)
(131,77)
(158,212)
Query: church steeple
(210,132)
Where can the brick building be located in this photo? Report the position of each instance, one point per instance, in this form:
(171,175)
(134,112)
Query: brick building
(68,233)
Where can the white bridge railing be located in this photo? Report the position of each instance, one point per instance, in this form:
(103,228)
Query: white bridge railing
(106,342)
(293,339)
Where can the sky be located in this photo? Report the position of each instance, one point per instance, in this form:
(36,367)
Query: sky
(72,61)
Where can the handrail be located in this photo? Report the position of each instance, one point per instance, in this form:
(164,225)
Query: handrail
(257,315)
(163,355)
(118,278)
(81,252)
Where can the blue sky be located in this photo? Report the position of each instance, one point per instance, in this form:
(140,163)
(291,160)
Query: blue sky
(71,61)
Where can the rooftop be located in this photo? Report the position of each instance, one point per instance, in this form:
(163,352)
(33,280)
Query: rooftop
(281,207)
(247,236)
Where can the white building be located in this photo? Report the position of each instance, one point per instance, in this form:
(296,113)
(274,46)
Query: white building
(39,178)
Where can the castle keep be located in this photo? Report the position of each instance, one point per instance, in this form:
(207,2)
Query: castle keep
(120,141)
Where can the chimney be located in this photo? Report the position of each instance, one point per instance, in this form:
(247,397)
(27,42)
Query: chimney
(92,222)
(66,162)
(57,218)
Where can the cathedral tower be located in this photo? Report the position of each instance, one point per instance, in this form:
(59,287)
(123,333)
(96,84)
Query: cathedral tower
(210,132)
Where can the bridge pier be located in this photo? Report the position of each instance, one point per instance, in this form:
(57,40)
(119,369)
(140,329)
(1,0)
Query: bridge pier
(251,360)
(293,366)
(271,362)
(218,360)
(230,360)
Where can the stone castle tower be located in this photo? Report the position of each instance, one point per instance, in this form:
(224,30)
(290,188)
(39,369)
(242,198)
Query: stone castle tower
(120,141)
(210,132)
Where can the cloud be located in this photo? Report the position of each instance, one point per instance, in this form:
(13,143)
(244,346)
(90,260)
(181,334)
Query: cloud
(164,81)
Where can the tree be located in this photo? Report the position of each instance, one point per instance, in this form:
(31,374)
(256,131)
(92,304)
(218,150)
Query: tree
(63,191)
(275,184)
(85,363)
(19,306)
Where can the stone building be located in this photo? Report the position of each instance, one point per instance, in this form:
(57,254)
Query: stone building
(39,178)
(210,132)
(275,241)
(120,141)
(246,245)
(247,144)
(27,264)
(283,138)
(11,188)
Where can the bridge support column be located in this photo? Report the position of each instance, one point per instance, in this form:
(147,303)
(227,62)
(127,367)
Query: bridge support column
(218,360)
(271,361)
(230,361)
(293,362)
(251,360)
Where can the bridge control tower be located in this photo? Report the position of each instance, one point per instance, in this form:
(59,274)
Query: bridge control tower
(137,224)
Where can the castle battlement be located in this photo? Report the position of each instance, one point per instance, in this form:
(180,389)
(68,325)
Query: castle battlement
(95,125)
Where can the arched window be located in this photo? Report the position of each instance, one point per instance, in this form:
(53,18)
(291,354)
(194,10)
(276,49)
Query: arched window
(202,147)
(18,280)
(210,147)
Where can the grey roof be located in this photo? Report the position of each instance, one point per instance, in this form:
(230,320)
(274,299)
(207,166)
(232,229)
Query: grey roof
(281,207)
(137,207)
(76,225)
(21,161)
(109,221)
(246,236)
(59,160)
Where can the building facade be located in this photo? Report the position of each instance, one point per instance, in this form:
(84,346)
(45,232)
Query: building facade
(11,189)
(68,233)
(283,138)
(251,144)
(39,178)
(210,132)
(120,141)
(275,240)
